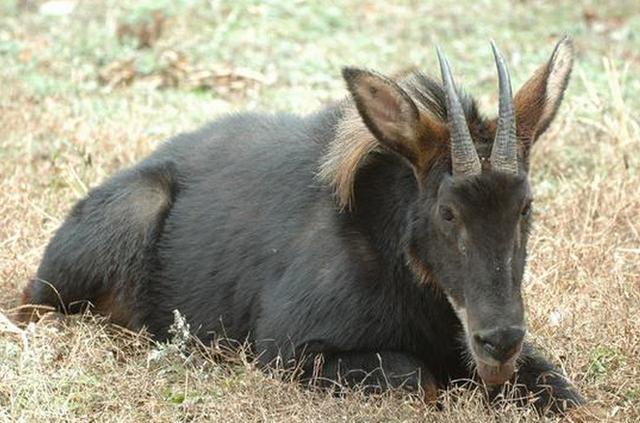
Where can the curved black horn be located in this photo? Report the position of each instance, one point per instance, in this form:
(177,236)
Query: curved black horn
(504,153)
(464,158)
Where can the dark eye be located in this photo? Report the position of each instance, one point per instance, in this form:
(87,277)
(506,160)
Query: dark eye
(446,213)
(526,209)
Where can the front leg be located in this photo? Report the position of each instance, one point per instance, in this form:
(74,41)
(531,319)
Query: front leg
(374,372)
(544,384)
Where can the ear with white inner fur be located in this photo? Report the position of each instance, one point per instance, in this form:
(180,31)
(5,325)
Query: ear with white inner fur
(538,100)
(388,112)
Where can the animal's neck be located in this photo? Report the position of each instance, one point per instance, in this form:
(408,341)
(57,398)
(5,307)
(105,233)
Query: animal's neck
(384,192)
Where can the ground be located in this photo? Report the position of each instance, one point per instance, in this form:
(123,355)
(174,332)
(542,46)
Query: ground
(88,87)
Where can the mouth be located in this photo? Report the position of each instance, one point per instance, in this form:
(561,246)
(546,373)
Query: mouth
(496,374)
(490,370)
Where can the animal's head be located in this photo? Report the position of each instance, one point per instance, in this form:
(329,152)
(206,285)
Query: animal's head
(472,212)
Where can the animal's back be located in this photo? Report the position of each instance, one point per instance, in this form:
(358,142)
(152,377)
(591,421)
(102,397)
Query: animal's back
(247,195)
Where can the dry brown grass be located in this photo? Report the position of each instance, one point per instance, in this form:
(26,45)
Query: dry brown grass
(60,134)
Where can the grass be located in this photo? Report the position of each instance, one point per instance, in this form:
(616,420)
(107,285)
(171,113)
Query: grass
(78,102)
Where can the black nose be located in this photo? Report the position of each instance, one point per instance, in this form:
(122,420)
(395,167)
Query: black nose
(501,344)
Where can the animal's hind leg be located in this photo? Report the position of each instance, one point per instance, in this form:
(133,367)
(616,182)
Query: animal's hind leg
(100,254)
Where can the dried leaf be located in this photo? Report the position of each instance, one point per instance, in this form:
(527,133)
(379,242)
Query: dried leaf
(118,73)
(145,31)
(175,71)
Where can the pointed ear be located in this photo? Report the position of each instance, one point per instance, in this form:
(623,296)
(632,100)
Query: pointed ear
(538,100)
(391,115)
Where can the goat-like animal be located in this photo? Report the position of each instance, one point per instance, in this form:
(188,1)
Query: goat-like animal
(385,233)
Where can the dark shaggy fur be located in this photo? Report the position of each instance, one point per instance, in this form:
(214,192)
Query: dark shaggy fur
(231,226)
